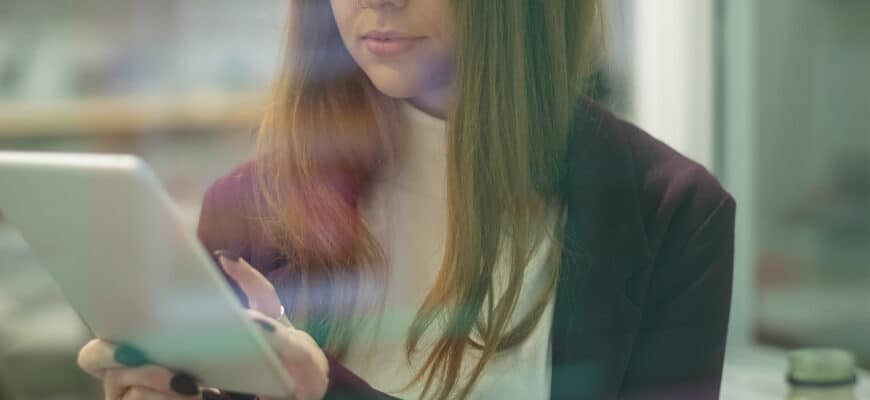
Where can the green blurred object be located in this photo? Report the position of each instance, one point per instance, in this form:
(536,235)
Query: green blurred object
(820,373)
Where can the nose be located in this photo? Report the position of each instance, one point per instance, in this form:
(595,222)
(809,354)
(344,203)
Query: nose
(378,4)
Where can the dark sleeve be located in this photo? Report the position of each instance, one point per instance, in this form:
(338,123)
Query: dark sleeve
(680,347)
(345,385)
(221,222)
(222,225)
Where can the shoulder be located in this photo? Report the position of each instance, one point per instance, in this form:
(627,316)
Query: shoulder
(233,189)
(226,215)
(664,193)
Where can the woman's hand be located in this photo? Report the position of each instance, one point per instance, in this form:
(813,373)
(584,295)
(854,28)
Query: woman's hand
(302,358)
(127,375)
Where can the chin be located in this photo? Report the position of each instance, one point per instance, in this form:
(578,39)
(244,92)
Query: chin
(394,85)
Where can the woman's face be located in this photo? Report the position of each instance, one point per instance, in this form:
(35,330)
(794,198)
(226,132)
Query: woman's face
(404,46)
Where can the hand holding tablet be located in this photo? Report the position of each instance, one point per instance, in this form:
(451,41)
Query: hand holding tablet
(126,372)
(105,229)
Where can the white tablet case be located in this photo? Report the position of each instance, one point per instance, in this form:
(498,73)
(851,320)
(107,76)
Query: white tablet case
(108,233)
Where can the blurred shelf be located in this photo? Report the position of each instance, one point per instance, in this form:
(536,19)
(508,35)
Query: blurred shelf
(130,115)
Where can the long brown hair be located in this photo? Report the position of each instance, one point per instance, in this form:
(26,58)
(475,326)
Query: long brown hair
(520,69)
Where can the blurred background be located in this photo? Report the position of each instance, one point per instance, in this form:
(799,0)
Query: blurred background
(773,96)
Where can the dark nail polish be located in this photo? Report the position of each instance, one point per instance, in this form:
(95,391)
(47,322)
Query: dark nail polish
(183,384)
(266,325)
(130,356)
(228,254)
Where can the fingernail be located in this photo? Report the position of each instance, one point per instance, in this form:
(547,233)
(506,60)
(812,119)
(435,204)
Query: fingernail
(130,356)
(228,254)
(183,384)
(266,325)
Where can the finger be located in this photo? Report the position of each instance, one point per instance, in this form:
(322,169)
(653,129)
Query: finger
(157,379)
(139,393)
(260,292)
(95,357)
(299,354)
(284,341)
(98,355)
(111,388)
(283,321)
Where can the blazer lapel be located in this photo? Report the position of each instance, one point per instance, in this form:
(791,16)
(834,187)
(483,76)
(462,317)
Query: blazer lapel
(595,320)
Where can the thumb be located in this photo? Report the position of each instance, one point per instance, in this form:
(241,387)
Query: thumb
(260,292)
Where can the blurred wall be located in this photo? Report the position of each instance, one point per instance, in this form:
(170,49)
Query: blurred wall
(795,121)
(57,48)
(815,95)
(673,53)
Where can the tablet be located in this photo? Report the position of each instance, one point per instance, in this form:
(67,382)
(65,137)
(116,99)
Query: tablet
(107,231)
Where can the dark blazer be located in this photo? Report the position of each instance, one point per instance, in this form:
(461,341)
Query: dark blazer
(645,286)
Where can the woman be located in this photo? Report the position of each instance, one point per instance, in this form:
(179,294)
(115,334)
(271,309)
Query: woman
(443,215)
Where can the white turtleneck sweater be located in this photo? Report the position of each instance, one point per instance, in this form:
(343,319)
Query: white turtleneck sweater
(407,214)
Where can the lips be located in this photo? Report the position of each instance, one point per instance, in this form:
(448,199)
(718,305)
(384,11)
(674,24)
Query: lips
(389,43)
